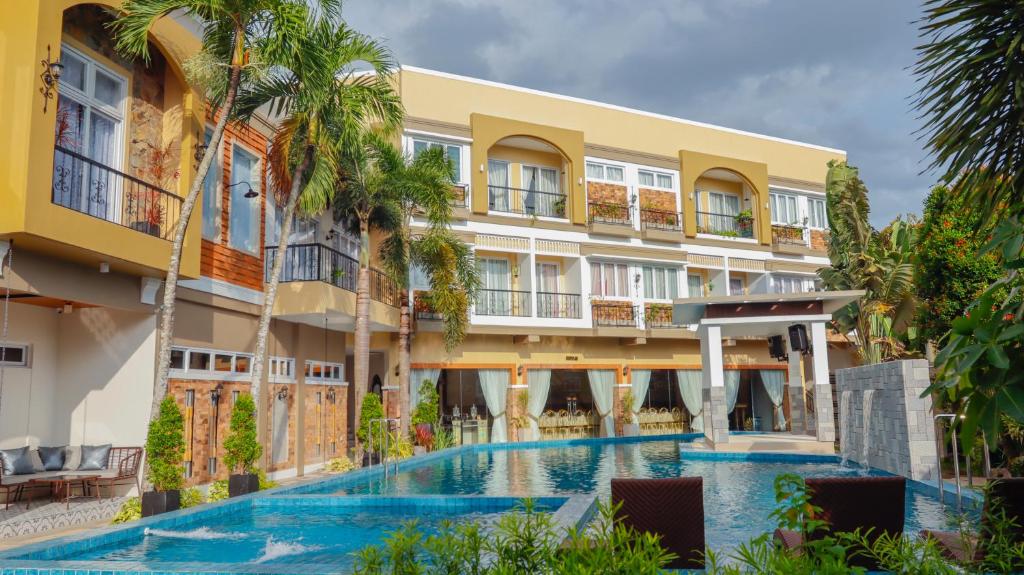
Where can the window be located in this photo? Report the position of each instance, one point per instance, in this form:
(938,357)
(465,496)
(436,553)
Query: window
(695,285)
(596,171)
(660,282)
(784,210)
(787,284)
(816,210)
(452,151)
(14,355)
(609,280)
(195,363)
(323,371)
(651,179)
(244,227)
(418,278)
(724,205)
(281,369)
(736,286)
(211,197)
(91,123)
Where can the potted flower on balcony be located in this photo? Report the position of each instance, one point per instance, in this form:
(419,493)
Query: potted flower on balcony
(148,211)
(425,416)
(242,450)
(745,222)
(165,447)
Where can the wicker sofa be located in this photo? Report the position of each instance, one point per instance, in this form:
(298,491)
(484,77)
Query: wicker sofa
(122,468)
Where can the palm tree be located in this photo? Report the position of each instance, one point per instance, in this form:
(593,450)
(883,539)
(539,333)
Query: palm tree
(324,101)
(227,60)
(880,263)
(425,185)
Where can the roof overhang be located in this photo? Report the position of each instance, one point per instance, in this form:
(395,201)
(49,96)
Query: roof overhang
(781,307)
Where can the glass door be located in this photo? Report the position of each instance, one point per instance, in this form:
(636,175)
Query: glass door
(495,297)
(497,182)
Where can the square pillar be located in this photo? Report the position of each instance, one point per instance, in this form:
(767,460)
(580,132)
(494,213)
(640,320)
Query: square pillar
(824,416)
(797,408)
(716,416)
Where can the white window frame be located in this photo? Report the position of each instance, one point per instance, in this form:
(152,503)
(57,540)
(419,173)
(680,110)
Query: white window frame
(703,285)
(185,372)
(257,186)
(743,285)
(604,172)
(26,357)
(789,280)
(217,168)
(558,275)
(811,217)
(654,282)
(776,199)
(615,265)
(432,141)
(281,369)
(337,371)
(540,168)
(655,174)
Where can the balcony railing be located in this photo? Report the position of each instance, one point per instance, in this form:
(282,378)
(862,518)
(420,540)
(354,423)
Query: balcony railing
(558,305)
(607,213)
(503,302)
(89,187)
(724,225)
(658,316)
(423,309)
(614,314)
(314,262)
(459,195)
(661,220)
(383,288)
(788,236)
(526,202)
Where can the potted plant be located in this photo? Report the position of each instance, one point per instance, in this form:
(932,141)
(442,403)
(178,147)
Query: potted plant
(148,212)
(520,421)
(630,426)
(165,447)
(241,448)
(745,222)
(370,410)
(425,415)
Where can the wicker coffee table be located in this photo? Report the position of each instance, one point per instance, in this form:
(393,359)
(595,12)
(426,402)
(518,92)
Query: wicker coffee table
(60,487)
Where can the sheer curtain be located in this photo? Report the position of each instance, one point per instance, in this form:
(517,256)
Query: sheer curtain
(602,387)
(416,377)
(732,388)
(539,383)
(640,381)
(690,389)
(497,180)
(774,384)
(494,383)
(104,200)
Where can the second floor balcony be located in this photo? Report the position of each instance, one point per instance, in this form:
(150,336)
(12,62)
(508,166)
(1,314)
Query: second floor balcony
(726,225)
(559,305)
(526,202)
(503,302)
(314,262)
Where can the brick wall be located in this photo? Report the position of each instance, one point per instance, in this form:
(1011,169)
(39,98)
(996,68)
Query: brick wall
(606,193)
(657,200)
(325,423)
(819,240)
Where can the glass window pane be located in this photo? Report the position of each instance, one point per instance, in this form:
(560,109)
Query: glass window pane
(664,181)
(211,198)
(673,283)
(648,282)
(695,285)
(595,171)
(107,89)
(243,227)
(74,71)
(455,155)
(418,146)
(242,363)
(623,283)
(199,360)
(613,173)
(222,362)
(177,359)
(659,283)
(595,279)
(646,178)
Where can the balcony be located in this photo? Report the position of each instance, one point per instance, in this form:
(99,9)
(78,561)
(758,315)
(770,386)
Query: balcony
(89,187)
(615,314)
(558,305)
(503,303)
(790,239)
(610,219)
(726,225)
(314,262)
(384,289)
(526,202)
(658,316)
(661,225)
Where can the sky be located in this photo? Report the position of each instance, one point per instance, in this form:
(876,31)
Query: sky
(830,72)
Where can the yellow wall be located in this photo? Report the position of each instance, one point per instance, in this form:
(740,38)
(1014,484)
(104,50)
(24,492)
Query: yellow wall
(694,166)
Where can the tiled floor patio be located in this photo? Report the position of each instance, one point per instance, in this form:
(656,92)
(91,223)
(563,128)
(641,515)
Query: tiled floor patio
(44,516)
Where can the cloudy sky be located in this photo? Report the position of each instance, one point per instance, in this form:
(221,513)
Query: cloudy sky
(829,72)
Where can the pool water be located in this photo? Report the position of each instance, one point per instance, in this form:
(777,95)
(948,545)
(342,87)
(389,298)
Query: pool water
(738,496)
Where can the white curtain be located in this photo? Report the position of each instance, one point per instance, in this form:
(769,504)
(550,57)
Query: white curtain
(732,388)
(602,387)
(416,377)
(774,384)
(494,383)
(497,179)
(539,382)
(640,380)
(690,389)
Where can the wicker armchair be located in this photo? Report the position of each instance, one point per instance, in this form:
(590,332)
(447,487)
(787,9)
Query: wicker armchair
(127,461)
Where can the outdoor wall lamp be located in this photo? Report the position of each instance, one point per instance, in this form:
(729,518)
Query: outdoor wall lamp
(283,394)
(625,370)
(330,395)
(199,151)
(248,195)
(51,74)
(519,371)
(215,394)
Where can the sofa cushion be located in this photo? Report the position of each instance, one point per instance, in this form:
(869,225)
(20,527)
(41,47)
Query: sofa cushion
(72,457)
(17,461)
(53,457)
(94,457)
(37,461)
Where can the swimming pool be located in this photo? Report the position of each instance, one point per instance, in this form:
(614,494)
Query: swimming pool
(313,527)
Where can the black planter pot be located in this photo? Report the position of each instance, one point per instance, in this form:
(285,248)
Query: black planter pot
(243,483)
(157,502)
(370,458)
(147,228)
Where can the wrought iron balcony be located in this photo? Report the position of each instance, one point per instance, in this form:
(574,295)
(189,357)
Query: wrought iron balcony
(725,225)
(614,314)
(503,302)
(662,220)
(783,235)
(558,305)
(314,262)
(609,213)
(526,202)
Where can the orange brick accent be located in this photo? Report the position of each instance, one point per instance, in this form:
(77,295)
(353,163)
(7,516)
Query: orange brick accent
(325,423)
(819,240)
(606,193)
(217,260)
(197,428)
(657,200)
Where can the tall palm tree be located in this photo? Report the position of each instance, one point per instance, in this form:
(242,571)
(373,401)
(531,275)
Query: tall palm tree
(425,185)
(880,263)
(324,100)
(227,60)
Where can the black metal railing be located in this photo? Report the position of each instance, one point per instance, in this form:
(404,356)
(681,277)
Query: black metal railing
(658,316)
(558,305)
(527,202)
(661,220)
(89,187)
(383,288)
(614,314)
(725,225)
(459,195)
(606,213)
(314,262)
(788,235)
(503,302)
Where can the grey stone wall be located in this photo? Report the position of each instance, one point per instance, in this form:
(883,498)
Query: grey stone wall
(716,417)
(901,431)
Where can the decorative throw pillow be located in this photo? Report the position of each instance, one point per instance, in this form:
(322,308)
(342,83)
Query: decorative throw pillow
(72,457)
(53,457)
(37,462)
(17,461)
(94,457)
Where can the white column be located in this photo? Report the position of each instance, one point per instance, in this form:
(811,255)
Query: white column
(824,416)
(716,418)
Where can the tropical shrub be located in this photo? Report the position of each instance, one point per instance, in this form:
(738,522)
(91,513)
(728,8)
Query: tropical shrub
(165,447)
(340,465)
(444,438)
(370,410)
(399,447)
(131,509)
(218,491)
(242,449)
(426,411)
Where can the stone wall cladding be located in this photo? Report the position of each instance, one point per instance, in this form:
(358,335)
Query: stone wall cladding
(716,415)
(819,240)
(607,193)
(657,200)
(902,430)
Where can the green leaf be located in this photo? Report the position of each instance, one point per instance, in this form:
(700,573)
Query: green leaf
(997,356)
(1013,332)
(969,355)
(1011,400)
(964,325)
